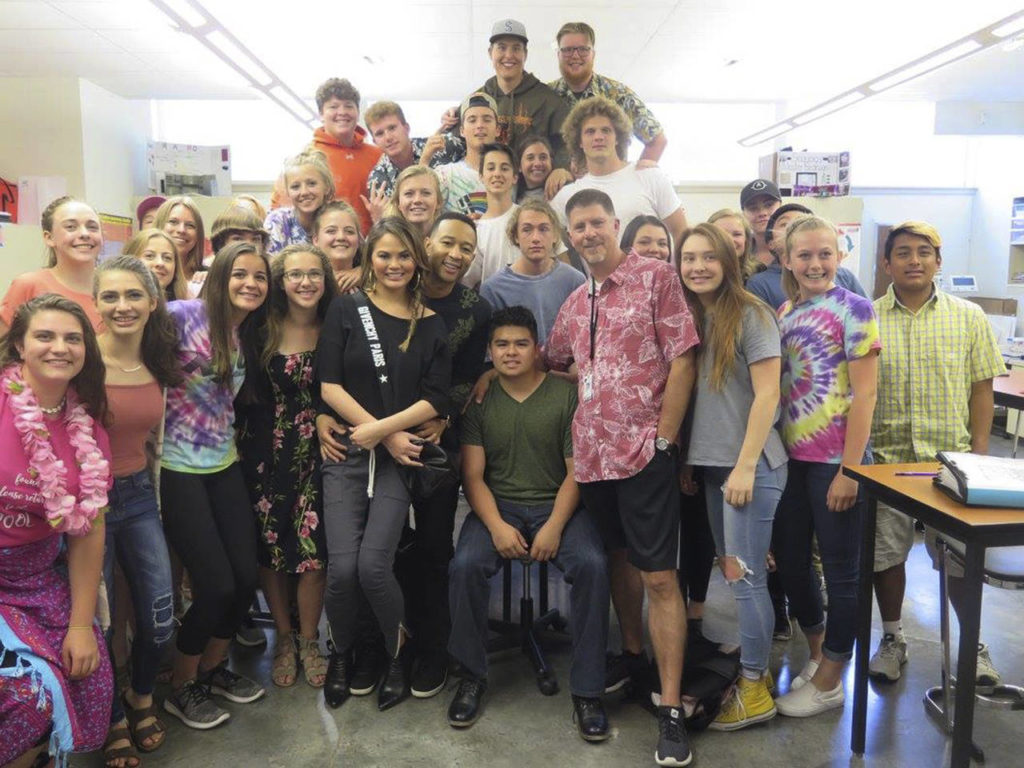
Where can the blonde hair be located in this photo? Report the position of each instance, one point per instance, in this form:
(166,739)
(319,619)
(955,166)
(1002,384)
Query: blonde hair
(796,226)
(532,204)
(596,106)
(748,262)
(918,229)
(46,221)
(578,28)
(409,173)
(178,288)
(381,109)
(317,160)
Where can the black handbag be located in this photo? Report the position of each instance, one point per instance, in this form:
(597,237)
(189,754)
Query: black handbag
(438,470)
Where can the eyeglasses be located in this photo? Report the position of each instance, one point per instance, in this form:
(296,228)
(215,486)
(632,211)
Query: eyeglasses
(580,50)
(297,276)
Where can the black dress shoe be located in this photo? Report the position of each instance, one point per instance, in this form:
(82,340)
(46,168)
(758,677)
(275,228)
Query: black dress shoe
(395,685)
(465,707)
(336,683)
(591,721)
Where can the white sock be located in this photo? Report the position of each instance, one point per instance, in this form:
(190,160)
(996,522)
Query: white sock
(894,628)
(751,674)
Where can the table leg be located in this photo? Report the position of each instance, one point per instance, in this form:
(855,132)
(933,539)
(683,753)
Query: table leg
(864,605)
(967,659)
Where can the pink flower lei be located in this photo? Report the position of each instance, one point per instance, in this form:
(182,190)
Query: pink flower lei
(64,513)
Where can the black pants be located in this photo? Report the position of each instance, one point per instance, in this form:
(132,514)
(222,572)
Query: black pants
(421,566)
(209,524)
(697,545)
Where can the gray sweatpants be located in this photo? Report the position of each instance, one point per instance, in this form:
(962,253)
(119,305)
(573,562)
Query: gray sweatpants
(362,536)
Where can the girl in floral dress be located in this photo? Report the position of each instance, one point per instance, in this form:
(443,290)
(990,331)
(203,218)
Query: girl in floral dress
(281,457)
(55,679)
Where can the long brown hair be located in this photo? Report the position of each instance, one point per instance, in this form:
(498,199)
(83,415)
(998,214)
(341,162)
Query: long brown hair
(214,294)
(88,382)
(178,287)
(159,337)
(725,328)
(277,300)
(193,260)
(412,242)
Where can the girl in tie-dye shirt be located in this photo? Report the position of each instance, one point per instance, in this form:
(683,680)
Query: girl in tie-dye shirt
(206,511)
(830,347)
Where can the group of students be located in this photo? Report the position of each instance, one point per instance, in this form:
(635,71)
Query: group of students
(254,418)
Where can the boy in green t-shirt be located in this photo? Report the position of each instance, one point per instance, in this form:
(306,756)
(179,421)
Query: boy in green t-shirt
(517,474)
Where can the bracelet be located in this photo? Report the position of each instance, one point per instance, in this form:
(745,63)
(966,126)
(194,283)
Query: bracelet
(79,626)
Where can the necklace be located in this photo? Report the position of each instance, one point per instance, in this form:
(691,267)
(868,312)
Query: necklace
(131,370)
(56,409)
(65,512)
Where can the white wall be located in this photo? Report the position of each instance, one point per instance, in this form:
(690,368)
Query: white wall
(114,132)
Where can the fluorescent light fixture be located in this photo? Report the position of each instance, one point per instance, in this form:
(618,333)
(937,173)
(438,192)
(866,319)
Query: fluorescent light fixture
(184,11)
(828,108)
(241,58)
(770,133)
(925,65)
(1011,27)
(293,103)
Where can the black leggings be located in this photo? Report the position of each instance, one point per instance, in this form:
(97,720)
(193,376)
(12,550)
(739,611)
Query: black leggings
(209,523)
(697,551)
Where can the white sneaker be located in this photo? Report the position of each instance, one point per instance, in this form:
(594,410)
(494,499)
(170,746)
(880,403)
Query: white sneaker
(986,676)
(805,675)
(807,701)
(890,656)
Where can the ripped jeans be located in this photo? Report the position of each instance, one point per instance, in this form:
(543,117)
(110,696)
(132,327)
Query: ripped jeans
(746,534)
(135,535)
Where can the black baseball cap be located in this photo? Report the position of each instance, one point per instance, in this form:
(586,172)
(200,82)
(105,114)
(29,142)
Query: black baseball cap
(759,187)
(787,208)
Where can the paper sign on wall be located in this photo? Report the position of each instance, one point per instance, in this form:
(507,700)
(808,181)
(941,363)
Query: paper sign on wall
(117,231)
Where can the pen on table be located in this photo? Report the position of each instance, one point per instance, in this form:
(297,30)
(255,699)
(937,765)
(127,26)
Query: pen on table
(915,474)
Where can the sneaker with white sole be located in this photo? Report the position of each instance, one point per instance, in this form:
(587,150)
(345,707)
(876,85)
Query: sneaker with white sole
(889,658)
(806,674)
(193,706)
(808,701)
(231,685)
(748,703)
(673,747)
(986,675)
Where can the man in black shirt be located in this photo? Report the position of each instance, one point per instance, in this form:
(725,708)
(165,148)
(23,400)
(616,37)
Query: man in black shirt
(422,563)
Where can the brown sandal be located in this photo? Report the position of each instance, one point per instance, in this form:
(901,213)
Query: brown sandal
(142,733)
(128,754)
(285,671)
(314,665)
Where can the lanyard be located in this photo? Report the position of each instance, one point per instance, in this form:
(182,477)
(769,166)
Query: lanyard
(593,318)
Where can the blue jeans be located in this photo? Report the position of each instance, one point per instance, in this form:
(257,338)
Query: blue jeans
(746,533)
(803,513)
(135,535)
(580,558)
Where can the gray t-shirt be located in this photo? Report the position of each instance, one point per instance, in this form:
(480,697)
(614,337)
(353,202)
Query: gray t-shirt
(543,295)
(720,416)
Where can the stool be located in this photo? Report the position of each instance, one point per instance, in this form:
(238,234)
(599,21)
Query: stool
(1004,568)
(525,633)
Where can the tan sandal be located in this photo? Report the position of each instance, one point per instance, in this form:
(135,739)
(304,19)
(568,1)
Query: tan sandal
(314,665)
(285,670)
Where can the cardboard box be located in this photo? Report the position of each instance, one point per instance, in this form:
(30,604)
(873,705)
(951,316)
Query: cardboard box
(808,174)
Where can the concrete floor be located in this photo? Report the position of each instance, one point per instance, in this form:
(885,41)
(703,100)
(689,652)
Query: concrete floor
(520,727)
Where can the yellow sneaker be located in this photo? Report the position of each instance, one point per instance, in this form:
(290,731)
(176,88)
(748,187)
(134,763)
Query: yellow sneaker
(749,703)
(769,682)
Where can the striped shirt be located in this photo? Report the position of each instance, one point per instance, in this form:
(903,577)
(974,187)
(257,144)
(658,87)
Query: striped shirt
(928,363)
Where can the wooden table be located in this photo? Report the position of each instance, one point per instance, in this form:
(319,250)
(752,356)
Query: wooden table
(978,528)
(1008,391)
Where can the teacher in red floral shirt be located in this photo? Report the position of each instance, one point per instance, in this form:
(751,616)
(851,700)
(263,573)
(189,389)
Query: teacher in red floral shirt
(630,334)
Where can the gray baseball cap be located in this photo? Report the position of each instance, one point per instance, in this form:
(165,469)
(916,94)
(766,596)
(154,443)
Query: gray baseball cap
(509,28)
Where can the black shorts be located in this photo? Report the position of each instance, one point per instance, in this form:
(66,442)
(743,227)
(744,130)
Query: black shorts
(640,513)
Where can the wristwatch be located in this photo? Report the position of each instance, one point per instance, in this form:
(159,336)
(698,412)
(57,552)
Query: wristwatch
(662,444)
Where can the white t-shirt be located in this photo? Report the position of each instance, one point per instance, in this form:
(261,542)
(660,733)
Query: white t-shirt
(633,193)
(494,251)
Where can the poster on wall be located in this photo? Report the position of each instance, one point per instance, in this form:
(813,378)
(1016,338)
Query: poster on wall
(188,169)
(849,245)
(117,231)
(9,200)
